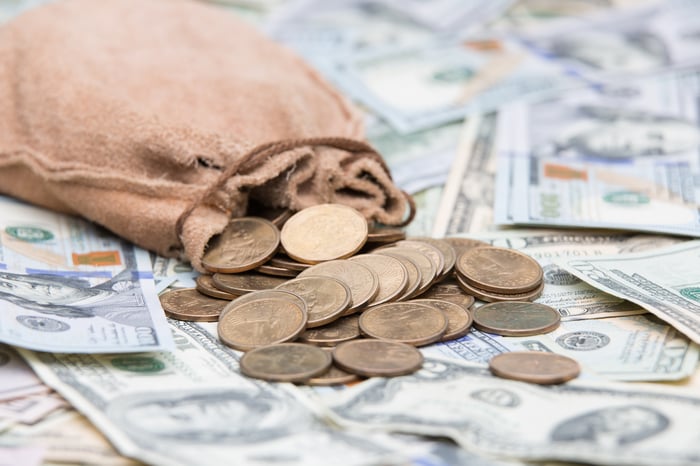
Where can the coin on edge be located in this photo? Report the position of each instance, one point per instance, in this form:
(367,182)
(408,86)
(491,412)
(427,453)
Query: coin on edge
(535,367)
(362,281)
(285,362)
(428,272)
(377,358)
(392,275)
(246,243)
(407,322)
(191,305)
(324,232)
(459,320)
(516,319)
(205,285)
(445,248)
(326,298)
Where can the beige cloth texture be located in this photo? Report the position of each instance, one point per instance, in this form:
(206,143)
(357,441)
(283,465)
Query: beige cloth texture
(144,116)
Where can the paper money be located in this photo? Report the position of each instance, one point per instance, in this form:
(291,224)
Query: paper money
(591,422)
(67,286)
(624,159)
(663,281)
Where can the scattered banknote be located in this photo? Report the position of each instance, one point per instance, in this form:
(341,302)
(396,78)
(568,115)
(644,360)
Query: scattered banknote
(591,422)
(666,281)
(68,286)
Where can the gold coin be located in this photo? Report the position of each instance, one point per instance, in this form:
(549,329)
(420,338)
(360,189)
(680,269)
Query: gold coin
(516,319)
(392,275)
(343,329)
(333,376)
(448,252)
(267,269)
(493,297)
(377,358)
(385,235)
(462,244)
(428,272)
(285,362)
(500,270)
(205,285)
(250,321)
(246,243)
(324,232)
(408,322)
(265,294)
(285,262)
(449,290)
(191,305)
(433,253)
(413,274)
(535,367)
(459,320)
(326,298)
(242,283)
(362,281)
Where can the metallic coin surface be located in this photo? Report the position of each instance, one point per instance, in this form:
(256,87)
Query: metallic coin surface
(392,275)
(324,232)
(516,319)
(267,269)
(449,290)
(251,323)
(362,281)
(265,294)
(191,305)
(500,270)
(246,243)
(385,235)
(433,253)
(448,252)
(286,362)
(343,329)
(285,262)
(326,298)
(333,376)
(492,297)
(205,285)
(242,283)
(377,358)
(462,244)
(413,274)
(535,367)
(407,322)
(459,320)
(428,272)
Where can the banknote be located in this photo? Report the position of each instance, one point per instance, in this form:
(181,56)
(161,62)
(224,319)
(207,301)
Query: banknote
(451,15)
(18,379)
(665,281)
(68,286)
(590,422)
(620,158)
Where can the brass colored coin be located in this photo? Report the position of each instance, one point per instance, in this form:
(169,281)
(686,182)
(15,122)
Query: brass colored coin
(408,322)
(377,358)
(326,298)
(246,243)
(333,376)
(433,253)
(449,290)
(285,262)
(251,323)
(324,232)
(362,281)
(448,252)
(242,283)
(412,272)
(268,269)
(516,319)
(392,275)
(428,272)
(492,297)
(462,244)
(191,305)
(385,235)
(535,367)
(459,320)
(286,362)
(500,270)
(344,329)
(265,294)
(205,285)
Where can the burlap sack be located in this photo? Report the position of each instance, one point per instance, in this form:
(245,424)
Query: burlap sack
(162,119)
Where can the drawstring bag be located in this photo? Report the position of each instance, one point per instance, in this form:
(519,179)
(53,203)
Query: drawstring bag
(163,119)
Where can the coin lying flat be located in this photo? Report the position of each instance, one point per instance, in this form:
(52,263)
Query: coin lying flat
(246,243)
(205,285)
(324,232)
(392,275)
(492,297)
(377,358)
(191,305)
(343,329)
(285,262)
(516,318)
(326,298)
(242,283)
(534,367)
(362,281)
(265,294)
(333,376)
(248,323)
(499,270)
(459,320)
(286,362)
(268,269)
(407,322)
(449,290)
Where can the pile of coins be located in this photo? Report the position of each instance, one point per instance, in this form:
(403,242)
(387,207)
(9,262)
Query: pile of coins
(318,298)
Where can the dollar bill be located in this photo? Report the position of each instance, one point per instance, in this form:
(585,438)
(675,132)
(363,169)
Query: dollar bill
(663,281)
(623,158)
(68,286)
(590,422)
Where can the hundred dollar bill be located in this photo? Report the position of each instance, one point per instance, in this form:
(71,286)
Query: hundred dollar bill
(623,158)
(68,286)
(193,407)
(591,422)
(666,281)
